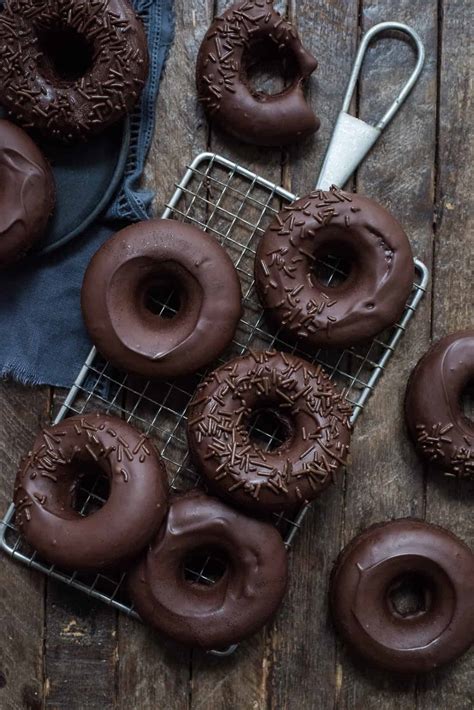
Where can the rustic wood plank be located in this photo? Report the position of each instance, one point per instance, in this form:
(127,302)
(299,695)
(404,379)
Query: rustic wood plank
(149,675)
(304,647)
(448,502)
(80,643)
(383,481)
(240,681)
(22,411)
(181,130)
(80,651)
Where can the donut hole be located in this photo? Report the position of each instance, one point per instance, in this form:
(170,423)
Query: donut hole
(410,595)
(163,298)
(267,429)
(467,401)
(92,490)
(205,565)
(266,70)
(334,263)
(66,53)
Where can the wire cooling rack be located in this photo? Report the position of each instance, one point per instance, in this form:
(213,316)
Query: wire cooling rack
(236,206)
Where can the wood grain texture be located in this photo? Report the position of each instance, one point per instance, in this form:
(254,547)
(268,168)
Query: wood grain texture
(80,651)
(22,412)
(304,648)
(181,129)
(449,503)
(383,481)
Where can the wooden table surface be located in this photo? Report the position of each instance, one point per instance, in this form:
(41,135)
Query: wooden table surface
(60,650)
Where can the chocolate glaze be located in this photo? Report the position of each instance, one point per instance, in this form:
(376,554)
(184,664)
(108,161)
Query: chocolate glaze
(48,479)
(229,100)
(440,430)
(243,600)
(120,276)
(69,107)
(370,299)
(27,193)
(373,564)
(314,414)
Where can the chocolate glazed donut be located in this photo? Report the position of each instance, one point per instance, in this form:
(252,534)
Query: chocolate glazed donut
(27,193)
(313,414)
(381,561)
(221,74)
(117,288)
(376,290)
(48,480)
(441,432)
(238,604)
(71,68)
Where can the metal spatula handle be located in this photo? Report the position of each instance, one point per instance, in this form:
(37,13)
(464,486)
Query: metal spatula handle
(353,138)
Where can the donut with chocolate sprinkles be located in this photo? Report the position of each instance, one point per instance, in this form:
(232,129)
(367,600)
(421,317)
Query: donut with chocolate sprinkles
(202,609)
(401,596)
(27,193)
(47,489)
(313,416)
(246,33)
(357,230)
(439,428)
(71,68)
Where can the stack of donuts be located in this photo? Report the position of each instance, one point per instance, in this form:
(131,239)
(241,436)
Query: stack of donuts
(244,485)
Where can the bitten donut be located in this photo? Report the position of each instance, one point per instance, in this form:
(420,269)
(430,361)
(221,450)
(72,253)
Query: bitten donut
(373,295)
(48,480)
(442,433)
(313,414)
(27,193)
(383,560)
(121,280)
(246,32)
(238,604)
(71,68)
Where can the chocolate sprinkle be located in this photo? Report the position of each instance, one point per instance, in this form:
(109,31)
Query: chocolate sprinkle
(64,109)
(314,412)
(373,296)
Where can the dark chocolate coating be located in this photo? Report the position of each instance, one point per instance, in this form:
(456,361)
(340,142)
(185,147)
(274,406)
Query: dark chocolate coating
(314,414)
(441,432)
(373,296)
(71,102)
(251,116)
(48,479)
(373,564)
(120,276)
(243,600)
(27,193)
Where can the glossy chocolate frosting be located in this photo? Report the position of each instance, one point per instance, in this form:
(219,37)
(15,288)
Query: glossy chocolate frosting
(315,415)
(376,290)
(245,30)
(374,564)
(71,68)
(238,604)
(117,284)
(441,432)
(48,480)
(27,193)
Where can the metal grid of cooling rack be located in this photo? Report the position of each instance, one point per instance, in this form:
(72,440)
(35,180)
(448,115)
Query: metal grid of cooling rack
(236,206)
